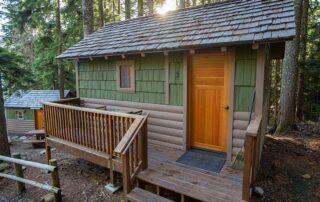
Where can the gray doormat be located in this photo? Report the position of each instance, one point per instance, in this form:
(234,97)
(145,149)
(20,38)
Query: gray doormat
(207,160)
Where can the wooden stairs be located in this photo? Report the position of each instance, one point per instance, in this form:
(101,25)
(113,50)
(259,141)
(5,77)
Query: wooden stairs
(170,181)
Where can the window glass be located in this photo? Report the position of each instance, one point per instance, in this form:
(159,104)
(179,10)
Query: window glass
(125,76)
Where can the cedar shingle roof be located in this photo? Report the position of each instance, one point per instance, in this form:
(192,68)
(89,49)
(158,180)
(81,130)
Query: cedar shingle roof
(33,98)
(230,22)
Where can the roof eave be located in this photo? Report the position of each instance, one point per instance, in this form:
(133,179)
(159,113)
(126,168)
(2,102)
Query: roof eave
(184,48)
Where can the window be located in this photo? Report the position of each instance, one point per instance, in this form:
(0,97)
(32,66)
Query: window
(125,76)
(20,115)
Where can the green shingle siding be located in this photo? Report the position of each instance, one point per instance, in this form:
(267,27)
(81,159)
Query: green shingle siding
(97,79)
(28,113)
(245,78)
(176,78)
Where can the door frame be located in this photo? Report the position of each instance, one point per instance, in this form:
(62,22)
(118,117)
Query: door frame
(187,95)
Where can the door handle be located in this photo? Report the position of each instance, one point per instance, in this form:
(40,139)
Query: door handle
(226,107)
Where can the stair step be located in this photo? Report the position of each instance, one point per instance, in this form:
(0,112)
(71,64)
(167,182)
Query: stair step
(141,195)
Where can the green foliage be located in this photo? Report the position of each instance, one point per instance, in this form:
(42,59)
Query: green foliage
(14,74)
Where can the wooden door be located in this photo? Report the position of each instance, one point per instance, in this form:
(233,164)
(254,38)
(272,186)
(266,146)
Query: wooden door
(39,119)
(208,91)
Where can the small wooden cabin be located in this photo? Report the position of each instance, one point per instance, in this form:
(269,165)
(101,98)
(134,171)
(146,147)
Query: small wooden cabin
(24,112)
(200,77)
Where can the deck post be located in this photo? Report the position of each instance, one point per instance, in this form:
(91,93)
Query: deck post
(55,178)
(48,152)
(247,170)
(144,146)
(126,173)
(19,173)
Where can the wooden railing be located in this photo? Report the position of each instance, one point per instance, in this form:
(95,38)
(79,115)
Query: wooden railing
(96,129)
(252,154)
(21,181)
(121,136)
(133,151)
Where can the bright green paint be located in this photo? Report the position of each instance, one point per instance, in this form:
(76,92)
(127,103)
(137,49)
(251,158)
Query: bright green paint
(28,113)
(97,79)
(245,78)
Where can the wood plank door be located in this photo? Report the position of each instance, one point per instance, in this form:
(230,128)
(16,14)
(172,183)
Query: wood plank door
(208,98)
(38,119)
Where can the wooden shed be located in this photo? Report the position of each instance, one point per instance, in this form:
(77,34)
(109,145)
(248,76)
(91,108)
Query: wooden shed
(24,112)
(199,75)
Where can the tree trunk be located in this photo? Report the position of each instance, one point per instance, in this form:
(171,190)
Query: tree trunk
(87,17)
(302,62)
(140,7)
(127,10)
(182,4)
(203,2)
(289,77)
(194,2)
(119,7)
(60,65)
(101,14)
(277,91)
(4,145)
(150,7)
(113,10)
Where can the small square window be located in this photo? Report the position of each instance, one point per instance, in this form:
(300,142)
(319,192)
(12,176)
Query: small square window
(125,76)
(20,115)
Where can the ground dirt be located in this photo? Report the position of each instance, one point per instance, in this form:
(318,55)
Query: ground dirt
(286,160)
(290,167)
(80,180)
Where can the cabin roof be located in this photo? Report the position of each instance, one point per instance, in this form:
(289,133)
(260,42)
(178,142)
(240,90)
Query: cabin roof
(225,23)
(33,98)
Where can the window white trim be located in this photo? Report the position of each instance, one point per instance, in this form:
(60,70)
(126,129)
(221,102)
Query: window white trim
(132,76)
(20,115)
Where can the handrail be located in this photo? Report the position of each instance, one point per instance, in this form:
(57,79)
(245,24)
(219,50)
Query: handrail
(28,163)
(66,100)
(252,105)
(130,135)
(252,151)
(99,111)
(254,126)
(21,181)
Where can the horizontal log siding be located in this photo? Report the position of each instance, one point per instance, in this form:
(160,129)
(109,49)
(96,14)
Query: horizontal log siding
(28,113)
(244,86)
(165,123)
(15,126)
(97,79)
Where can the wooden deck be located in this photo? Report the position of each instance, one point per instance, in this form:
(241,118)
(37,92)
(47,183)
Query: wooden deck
(189,182)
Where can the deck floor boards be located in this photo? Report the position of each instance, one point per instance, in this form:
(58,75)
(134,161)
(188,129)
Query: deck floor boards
(164,171)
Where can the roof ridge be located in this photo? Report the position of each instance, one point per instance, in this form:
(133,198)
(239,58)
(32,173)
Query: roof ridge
(169,12)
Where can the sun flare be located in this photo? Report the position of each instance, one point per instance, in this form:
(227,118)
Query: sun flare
(168,5)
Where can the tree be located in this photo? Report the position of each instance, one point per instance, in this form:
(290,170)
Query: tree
(4,145)
(58,39)
(302,58)
(87,15)
(127,10)
(289,76)
(140,7)
(150,7)
(14,75)
(182,4)
(101,13)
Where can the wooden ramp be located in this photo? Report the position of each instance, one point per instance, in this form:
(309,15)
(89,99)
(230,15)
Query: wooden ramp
(190,183)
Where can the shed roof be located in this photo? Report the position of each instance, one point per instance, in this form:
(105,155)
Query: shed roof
(33,98)
(230,22)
